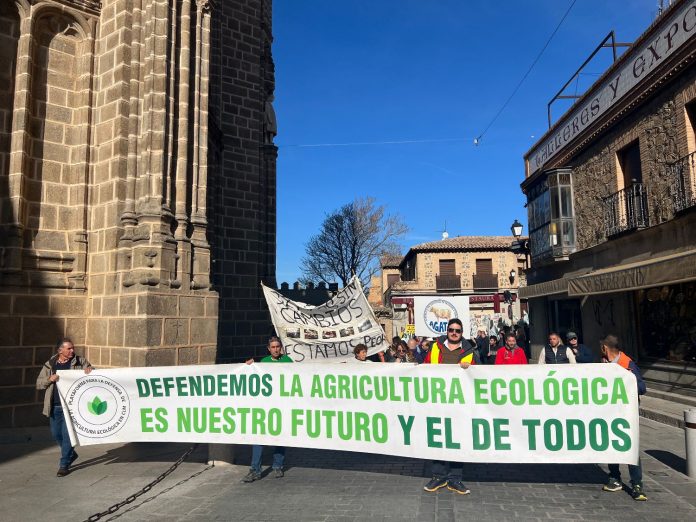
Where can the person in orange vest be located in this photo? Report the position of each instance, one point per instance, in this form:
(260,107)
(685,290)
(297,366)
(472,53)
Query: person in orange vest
(611,353)
(450,349)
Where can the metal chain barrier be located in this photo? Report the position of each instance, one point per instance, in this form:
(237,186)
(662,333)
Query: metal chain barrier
(144,490)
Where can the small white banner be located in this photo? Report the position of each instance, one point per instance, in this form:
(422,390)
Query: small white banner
(565,413)
(433,312)
(329,332)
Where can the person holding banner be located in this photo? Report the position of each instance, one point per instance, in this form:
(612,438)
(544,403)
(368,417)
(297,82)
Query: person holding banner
(450,349)
(64,359)
(611,353)
(275,348)
(510,353)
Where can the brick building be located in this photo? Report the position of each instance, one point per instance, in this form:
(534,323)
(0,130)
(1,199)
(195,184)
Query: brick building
(481,267)
(137,184)
(611,191)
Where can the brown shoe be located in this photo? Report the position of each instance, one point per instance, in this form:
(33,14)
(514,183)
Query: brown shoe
(62,472)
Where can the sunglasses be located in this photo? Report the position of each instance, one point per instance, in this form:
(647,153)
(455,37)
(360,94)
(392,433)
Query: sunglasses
(454,330)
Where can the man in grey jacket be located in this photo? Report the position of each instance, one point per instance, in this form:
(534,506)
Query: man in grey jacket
(64,359)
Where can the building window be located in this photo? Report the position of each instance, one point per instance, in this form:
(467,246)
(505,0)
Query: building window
(552,216)
(392,278)
(484,278)
(684,169)
(629,163)
(484,266)
(447,267)
(690,109)
(627,209)
(408,271)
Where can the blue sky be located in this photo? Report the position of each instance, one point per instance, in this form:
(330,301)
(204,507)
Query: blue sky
(390,70)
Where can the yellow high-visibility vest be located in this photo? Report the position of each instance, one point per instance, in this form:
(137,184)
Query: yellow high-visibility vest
(435,355)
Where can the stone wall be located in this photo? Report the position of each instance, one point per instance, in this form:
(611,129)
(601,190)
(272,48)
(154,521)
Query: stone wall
(106,161)
(427,267)
(243,187)
(661,127)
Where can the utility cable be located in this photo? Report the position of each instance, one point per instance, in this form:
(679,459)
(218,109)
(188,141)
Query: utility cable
(478,139)
(358,143)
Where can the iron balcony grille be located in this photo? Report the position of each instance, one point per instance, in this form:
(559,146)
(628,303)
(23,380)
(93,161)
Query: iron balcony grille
(626,210)
(445,283)
(684,192)
(485,281)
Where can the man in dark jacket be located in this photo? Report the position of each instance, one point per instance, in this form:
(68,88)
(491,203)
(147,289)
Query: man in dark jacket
(450,349)
(556,352)
(582,353)
(611,353)
(64,359)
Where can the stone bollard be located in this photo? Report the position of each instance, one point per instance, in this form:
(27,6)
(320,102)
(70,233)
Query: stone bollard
(690,434)
(221,454)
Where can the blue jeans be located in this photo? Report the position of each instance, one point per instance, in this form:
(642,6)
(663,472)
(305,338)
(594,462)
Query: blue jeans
(635,472)
(278,457)
(452,471)
(59,430)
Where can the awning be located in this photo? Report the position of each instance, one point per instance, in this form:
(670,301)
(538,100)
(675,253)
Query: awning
(675,268)
(555,286)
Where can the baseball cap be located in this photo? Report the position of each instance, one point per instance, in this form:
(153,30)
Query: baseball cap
(571,335)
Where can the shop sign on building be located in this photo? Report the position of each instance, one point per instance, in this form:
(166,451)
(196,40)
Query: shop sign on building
(432,313)
(675,31)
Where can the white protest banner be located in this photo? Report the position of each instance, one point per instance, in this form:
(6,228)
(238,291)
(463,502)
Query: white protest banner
(433,312)
(328,332)
(562,413)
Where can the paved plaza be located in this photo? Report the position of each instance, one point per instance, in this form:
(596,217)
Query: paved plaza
(328,486)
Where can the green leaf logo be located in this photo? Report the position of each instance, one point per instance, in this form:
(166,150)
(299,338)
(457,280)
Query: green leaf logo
(97,406)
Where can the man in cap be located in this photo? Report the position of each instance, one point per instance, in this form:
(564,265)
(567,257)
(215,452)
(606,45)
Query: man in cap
(582,353)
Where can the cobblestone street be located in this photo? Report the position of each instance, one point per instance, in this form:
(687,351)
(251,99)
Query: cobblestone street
(334,486)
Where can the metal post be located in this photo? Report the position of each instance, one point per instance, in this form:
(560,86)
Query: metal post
(690,434)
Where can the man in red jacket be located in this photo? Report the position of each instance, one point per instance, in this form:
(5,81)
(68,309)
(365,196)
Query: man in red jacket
(452,349)
(510,353)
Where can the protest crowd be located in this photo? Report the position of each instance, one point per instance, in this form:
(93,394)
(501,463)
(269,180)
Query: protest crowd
(508,348)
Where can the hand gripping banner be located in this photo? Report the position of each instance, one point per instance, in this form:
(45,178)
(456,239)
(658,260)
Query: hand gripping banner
(555,414)
(329,332)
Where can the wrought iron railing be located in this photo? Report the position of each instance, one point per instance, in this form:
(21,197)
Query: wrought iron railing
(626,210)
(684,188)
(445,283)
(485,281)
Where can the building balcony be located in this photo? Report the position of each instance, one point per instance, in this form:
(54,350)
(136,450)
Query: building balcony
(485,281)
(448,283)
(626,210)
(684,188)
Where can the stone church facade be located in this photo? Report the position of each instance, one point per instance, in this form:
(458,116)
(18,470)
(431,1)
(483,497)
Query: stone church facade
(137,184)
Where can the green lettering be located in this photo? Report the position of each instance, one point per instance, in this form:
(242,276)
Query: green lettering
(618,392)
(575,435)
(531,425)
(499,432)
(480,390)
(624,442)
(481,434)
(145,420)
(456,392)
(406,426)
(432,429)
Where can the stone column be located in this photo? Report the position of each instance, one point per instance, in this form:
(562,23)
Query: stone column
(11,259)
(201,248)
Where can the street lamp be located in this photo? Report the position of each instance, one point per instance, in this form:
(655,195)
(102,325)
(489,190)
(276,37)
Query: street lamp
(512,276)
(516,229)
